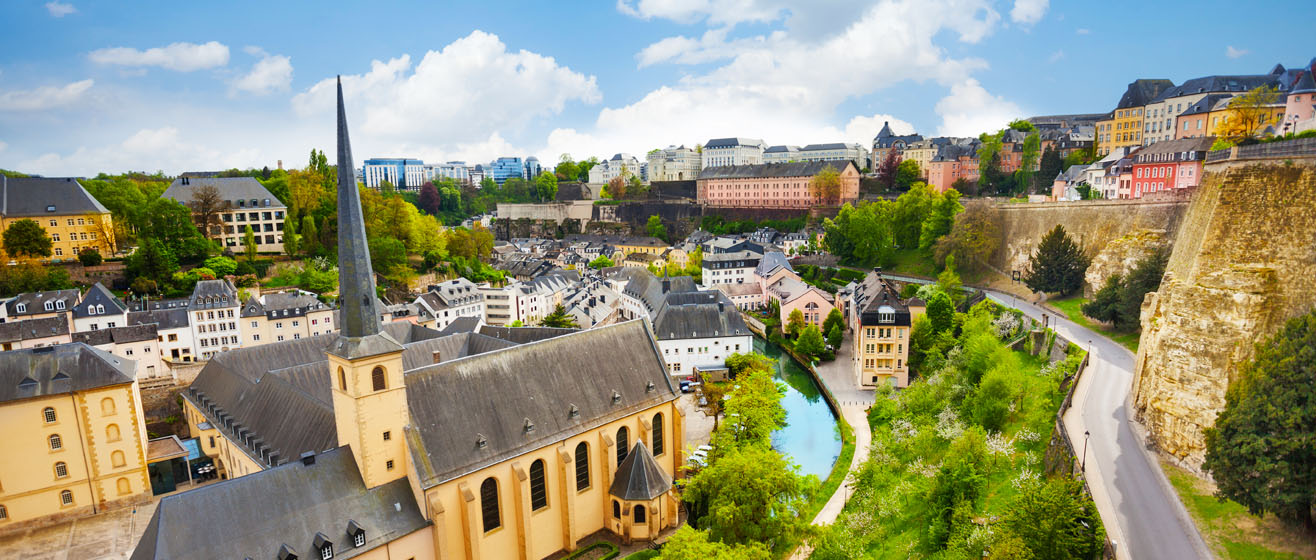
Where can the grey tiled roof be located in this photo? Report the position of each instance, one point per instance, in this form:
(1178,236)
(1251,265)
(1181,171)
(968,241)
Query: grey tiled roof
(164,319)
(117,335)
(230,188)
(98,294)
(639,478)
(524,335)
(30,329)
(1144,91)
(876,292)
(254,515)
(57,370)
(1217,84)
(732,142)
(34,197)
(34,303)
(792,169)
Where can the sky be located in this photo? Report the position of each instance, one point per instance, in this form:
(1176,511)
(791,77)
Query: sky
(153,85)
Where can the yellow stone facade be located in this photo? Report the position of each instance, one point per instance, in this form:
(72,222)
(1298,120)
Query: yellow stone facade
(1126,129)
(260,329)
(71,455)
(72,233)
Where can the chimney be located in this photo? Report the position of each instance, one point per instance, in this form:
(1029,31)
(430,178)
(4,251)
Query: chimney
(280,165)
(437,356)
(308,458)
(878,270)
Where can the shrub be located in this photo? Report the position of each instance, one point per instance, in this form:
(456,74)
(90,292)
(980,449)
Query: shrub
(89,257)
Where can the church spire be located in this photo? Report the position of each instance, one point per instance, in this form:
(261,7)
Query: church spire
(356,280)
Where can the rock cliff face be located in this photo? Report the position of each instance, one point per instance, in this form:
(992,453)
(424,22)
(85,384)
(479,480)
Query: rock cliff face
(1121,255)
(1244,263)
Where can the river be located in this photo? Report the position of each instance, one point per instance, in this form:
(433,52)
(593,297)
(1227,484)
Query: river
(810,437)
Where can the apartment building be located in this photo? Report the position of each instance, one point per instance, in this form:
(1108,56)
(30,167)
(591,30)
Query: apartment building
(720,152)
(246,203)
(448,301)
(72,218)
(289,315)
(214,310)
(728,268)
(774,185)
(880,324)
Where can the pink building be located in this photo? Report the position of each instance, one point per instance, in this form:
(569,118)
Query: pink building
(1300,106)
(943,171)
(1172,164)
(773,185)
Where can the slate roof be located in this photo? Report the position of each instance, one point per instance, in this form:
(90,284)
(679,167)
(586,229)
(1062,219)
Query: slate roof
(1216,84)
(213,294)
(1205,104)
(1305,84)
(524,335)
(253,516)
(58,370)
(164,319)
(22,197)
(732,142)
(117,335)
(885,138)
(231,189)
(791,169)
(461,325)
(491,396)
(1144,91)
(639,478)
(1199,145)
(686,315)
(876,292)
(781,149)
(35,302)
(828,146)
(30,329)
(98,294)
(771,261)
(283,304)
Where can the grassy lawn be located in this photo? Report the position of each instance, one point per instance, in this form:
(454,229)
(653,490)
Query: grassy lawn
(1232,532)
(1070,306)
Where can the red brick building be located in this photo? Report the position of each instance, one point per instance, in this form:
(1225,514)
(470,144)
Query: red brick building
(773,185)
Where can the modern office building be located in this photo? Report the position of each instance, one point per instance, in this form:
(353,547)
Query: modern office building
(403,173)
(505,168)
(532,167)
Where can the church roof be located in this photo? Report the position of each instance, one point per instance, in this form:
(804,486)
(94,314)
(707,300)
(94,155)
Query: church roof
(639,478)
(360,314)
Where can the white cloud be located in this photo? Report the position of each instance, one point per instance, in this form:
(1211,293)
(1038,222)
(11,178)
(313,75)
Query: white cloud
(1056,56)
(183,57)
(147,149)
(1029,12)
(452,97)
(46,97)
(1232,52)
(269,74)
(60,10)
(717,12)
(1083,31)
(970,110)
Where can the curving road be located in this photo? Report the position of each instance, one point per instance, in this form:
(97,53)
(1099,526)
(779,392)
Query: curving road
(1141,511)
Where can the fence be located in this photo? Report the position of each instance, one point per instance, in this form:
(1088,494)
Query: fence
(1302,147)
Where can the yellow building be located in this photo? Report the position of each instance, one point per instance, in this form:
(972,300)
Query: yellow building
(290,315)
(1130,114)
(644,245)
(75,441)
(72,218)
(881,324)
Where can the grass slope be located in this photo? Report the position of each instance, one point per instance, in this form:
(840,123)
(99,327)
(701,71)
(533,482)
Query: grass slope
(1071,308)
(1232,532)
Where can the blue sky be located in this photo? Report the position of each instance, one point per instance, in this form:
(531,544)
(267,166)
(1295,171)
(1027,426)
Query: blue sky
(97,86)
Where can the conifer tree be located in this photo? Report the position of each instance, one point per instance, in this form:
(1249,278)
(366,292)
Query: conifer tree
(1057,265)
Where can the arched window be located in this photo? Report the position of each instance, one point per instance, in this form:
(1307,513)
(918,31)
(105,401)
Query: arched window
(112,432)
(538,486)
(55,442)
(66,498)
(342,379)
(116,459)
(107,406)
(377,377)
(639,513)
(623,443)
(657,434)
(48,414)
(61,469)
(582,466)
(616,509)
(489,504)
(125,487)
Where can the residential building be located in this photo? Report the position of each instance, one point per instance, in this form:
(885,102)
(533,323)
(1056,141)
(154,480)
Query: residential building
(75,442)
(214,309)
(458,446)
(781,154)
(886,141)
(1164,109)
(72,218)
(1105,134)
(1300,104)
(674,163)
(246,204)
(881,325)
(695,330)
(832,152)
(773,185)
(1065,185)
(953,162)
(1100,176)
(728,268)
(137,344)
(99,309)
(619,165)
(40,305)
(1130,112)
(1170,164)
(289,315)
(504,168)
(1195,121)
(791,293)
(451,300)
(34,333)
(173,327)
(732,151)
(404,174)
(1121,172)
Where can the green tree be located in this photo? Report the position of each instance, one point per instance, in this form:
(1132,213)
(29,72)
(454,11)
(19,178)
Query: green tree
(655,228)
(1027,161)
(602,261)
(907,173)
(941,312)
(386,253)
(566,169)
(992,398)
(949,281)
(971,241)
(835,336)
(222,266)
(688,543)
(922,341)
(795,322)
(249,244)
(1057,265)
(90,256)
(751,494)
(1054,519)
(546,186)
(833,320)
(956,488)
(1050,167)
(310,235)
(753,409)
(910,211)
(171,223)
(26,238)
(1105,303)
(152,260)
(559,319)
(1022,125)
(810,343)
(291,240)
(940,219)
(826,186)
(1262,449)
(1145,277)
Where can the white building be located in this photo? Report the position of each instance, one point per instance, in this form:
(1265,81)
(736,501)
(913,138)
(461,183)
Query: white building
(611,168)
(732,151)
(455,170)
(448,301)
(173,327)
(695,330)
(728,268)
(247,203)
(99,309)
(835,151)
(214,308)
(137,343)
(528,301)
(781,154)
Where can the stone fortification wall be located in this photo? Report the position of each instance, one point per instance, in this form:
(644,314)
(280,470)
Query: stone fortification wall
(1244,262)
(581,210)
(1121,255)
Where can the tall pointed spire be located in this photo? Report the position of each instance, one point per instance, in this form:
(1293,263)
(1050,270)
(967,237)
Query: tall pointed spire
(356,280)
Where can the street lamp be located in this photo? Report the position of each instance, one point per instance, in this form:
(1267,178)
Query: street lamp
(1083,466)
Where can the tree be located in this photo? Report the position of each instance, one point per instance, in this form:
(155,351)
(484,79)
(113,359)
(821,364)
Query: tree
(834,319)
(751,494)
(26,238)
(1048,170)
(152,260)
(826,186)
(688,543)
(907,173)
(886,171)
(206,204)
(1262,450)
(992,398)
(949,281)
(559,319)
(910,211)
(223,266)
(566,169)
(955,488)
(90,256)
(1057,265)
(615,189)
(429,198)
(104,228)
(546,186)
(1023,177)
(941,312)
(655,228)
(1105,303)
(940,219)
(602,261)
(171,223)
(249,244)
(835,336)
(1145,277)
(1054,519)
(386,253)
(1248,113)
(1022,125)
(291,240)
(810,343)
(795,322)
(143,286)
(310,235)
(972,239)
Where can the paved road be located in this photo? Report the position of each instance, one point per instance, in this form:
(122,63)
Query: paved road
(1129,486)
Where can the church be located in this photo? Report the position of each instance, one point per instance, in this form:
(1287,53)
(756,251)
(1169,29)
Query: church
(401,442)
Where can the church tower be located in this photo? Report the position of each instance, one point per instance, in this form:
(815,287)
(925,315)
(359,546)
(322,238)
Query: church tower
(365,363)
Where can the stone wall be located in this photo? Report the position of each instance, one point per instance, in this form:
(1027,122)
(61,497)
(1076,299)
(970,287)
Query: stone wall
(1121,255)
(1244,263)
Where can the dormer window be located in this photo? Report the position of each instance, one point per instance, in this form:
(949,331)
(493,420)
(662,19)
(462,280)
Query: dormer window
(357,534)
(100,309)
(323,545)
(50,306)
(20,308)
